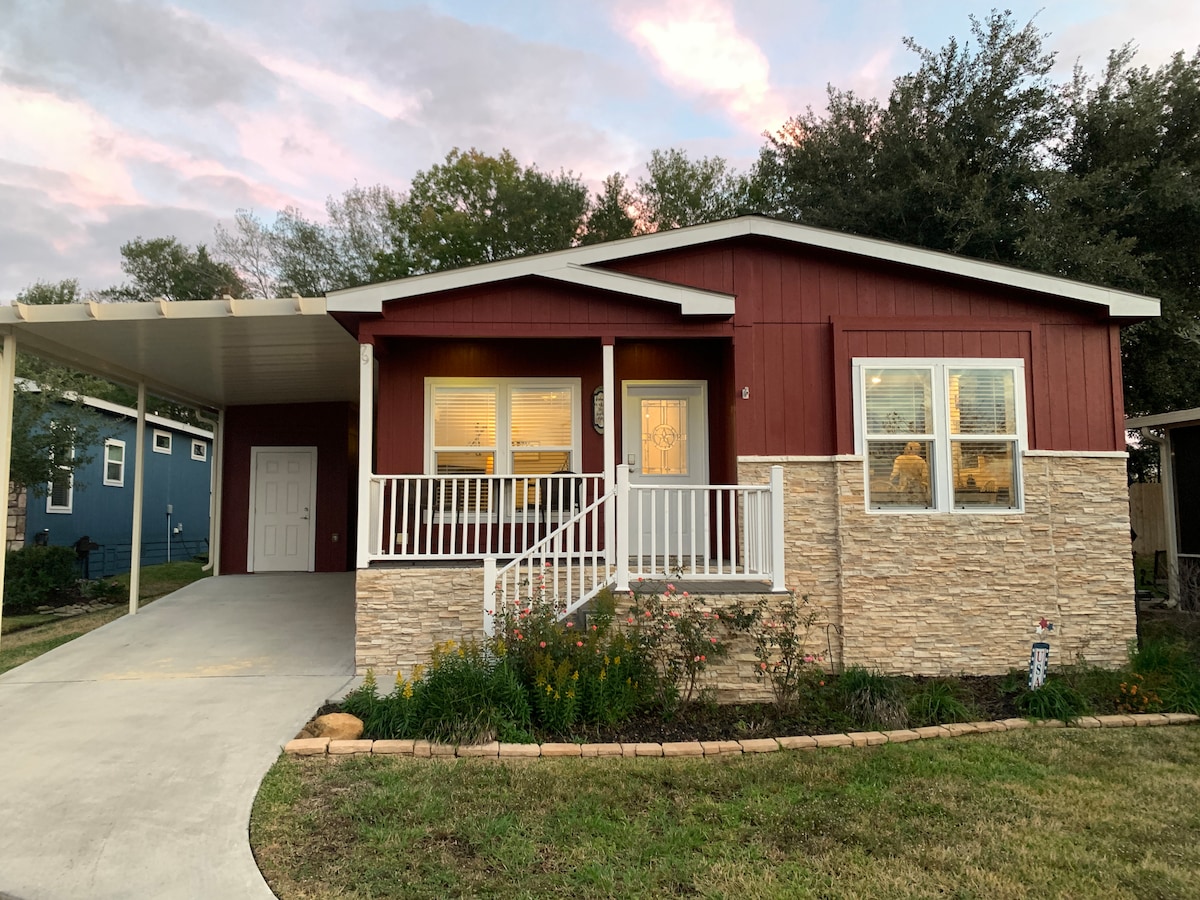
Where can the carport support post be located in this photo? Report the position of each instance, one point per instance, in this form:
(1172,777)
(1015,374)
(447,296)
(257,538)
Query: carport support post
(8,383)
(139,471)
(366,443)
(610,449)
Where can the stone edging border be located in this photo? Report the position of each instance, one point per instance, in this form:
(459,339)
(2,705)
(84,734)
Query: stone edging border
(495,750)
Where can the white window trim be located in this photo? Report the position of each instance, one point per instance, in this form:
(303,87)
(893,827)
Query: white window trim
(202,456)
(943,496)
(51,509)
(114,482)
(158,432)
(504,388)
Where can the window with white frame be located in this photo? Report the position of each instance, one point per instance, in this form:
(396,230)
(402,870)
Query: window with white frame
(941,434)
(162,441)
(60,492)
(114,463)
(502,426)
(199,451)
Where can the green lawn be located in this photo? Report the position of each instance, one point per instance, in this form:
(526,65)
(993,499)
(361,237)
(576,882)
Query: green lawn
(29,636)
(1058,813)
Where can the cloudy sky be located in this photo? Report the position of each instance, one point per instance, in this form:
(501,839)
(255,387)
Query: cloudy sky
(145,118)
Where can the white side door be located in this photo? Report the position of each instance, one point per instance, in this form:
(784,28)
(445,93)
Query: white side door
(665,444)
(281,515)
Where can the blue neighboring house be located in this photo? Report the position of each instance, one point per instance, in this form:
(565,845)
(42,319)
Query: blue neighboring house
(96,500)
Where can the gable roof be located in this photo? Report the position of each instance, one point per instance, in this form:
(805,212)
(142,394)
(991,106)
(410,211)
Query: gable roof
(125,412)
(570,266)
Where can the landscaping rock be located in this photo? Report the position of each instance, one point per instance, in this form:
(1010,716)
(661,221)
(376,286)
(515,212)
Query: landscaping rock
(560,750)
(519,751)
(350,748)
(489,750)
(799,742)
(337,727)
(393,748)
(835,740)
(760,745)
(307,747)
(720,748)
(682,748)
(600,750)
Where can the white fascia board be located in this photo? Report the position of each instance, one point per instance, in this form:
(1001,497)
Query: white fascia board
(691,301)
(370,299)
(1179,417)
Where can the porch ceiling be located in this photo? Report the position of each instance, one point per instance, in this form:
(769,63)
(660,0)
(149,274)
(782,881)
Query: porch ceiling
(213,353)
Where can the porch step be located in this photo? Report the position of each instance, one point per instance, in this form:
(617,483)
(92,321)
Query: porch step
(702,588)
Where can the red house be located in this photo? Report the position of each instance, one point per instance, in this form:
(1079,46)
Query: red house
(930,448)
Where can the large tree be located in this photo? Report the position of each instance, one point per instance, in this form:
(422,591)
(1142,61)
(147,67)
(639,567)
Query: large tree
(1123,208)
(951,161)
(679,191)
(475,208)
(296,255)
(164,267)
(52,430)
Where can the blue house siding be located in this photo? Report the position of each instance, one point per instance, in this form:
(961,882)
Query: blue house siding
(104,512)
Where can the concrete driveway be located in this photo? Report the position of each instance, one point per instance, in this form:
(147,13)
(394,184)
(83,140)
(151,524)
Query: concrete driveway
(130,757)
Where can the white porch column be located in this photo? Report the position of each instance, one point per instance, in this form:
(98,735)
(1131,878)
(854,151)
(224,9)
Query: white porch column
(777,573)
(610,448)
(139,472)
(1166,475)
(8,360)
(621,579)
(366,446)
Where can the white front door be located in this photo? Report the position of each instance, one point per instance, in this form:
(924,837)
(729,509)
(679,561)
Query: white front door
(283,502)
(665,444)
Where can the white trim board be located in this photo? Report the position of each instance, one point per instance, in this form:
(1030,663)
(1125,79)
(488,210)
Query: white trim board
(371,298)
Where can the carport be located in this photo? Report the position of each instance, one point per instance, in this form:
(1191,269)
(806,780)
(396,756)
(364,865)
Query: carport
(217,355)
(1177,435)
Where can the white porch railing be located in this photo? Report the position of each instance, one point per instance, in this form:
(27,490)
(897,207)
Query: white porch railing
(712,532)
(570,566)
(444,517)
(552,530)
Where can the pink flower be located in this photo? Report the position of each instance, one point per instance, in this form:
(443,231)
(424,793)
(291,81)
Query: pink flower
(570,624)
(542,644)
(579,643)
(593,628)
(685,593)
(630,620)
(763,666)
(647,614)
(712,640)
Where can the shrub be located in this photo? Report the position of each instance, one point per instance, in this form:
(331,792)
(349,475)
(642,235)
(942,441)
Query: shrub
(1055,699)
(39,576)
(469,697)
(937,703)
(781,647)
(609,674)
(872,699)
(681,635)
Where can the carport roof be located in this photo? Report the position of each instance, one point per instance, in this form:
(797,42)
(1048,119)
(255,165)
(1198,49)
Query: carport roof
(212,353)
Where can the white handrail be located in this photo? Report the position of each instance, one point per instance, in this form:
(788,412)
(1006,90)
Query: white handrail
(569,566)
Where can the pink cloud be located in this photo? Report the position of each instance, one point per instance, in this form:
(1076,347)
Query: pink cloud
(698,48)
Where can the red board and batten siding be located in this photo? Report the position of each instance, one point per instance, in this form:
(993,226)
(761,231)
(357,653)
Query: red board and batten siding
(332,429)
(526,308)
(405,363)
(803,314)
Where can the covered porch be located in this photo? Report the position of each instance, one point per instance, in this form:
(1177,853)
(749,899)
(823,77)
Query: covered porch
(565,464)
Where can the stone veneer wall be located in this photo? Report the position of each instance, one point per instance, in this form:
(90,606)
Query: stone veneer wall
(928,594)
(17,500)
(962,592)
(401,613)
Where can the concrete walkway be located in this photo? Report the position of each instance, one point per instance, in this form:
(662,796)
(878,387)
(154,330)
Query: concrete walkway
(131,756)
